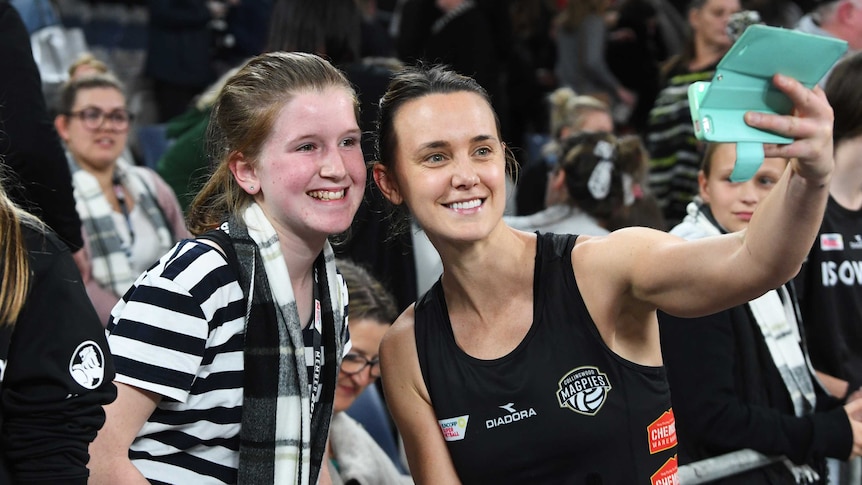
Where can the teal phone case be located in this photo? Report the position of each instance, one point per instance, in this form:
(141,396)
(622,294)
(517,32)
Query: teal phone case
(743,82)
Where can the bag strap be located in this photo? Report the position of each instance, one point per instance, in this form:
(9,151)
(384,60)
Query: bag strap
(224,245)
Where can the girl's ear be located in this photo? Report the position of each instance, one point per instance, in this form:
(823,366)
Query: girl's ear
(387,184)
(244,173)
(702,182)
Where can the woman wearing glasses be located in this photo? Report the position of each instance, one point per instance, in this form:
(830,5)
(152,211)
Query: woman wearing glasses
(129,215)
(354,455)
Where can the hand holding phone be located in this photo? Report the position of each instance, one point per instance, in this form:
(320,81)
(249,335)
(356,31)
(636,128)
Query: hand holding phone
(743,82)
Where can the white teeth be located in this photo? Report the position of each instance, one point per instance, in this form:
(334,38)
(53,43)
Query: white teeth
(466,205)
(327,195)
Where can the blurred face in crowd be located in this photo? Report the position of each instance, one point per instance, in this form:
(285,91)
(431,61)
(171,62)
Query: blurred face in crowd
(96,129)
(361,367)
(733,203)
(597,120)
(709,22)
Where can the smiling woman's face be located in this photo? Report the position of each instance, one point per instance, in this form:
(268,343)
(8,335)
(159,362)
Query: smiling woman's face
(733,203)
(95,149)
(365,337)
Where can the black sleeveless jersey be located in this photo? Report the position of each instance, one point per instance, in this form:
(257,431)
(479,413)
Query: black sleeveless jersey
(561,407)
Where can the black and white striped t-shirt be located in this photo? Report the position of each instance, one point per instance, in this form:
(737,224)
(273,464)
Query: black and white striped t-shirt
(178,332)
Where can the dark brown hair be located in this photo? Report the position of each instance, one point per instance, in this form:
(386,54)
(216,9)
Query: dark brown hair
(845,96)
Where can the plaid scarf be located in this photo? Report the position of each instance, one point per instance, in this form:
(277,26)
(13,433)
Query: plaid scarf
(109,261)
(280,441)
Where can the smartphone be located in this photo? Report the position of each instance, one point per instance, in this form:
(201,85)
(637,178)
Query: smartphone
(743,82)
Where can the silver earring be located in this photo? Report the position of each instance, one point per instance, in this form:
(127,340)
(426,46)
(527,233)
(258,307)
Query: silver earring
(251,187)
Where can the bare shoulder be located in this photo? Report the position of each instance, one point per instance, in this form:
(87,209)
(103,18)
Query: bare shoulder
(399,341)
(625,263)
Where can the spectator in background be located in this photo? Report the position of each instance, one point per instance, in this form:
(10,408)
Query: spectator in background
(130,216)
(179,51)
(184,165)
(87,64)
(635,48)
(643,211)
(569,115)
(840,19)
(56,370)
(778,13)
(376,41)
(675,152)
(830,293)
(28,142)
(530,69)
(581,37)
(575,203)
(472,37)
(354,456)
(740,378)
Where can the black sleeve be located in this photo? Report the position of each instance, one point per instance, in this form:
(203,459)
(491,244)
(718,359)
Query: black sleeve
(712,415)
(59,373)
(28,142)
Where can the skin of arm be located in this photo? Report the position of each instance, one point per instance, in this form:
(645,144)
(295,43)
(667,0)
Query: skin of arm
(410,404)
(647,264)
(109,452)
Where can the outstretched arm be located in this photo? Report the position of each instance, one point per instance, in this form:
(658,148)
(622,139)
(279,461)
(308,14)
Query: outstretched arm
(410,404)
(647,269)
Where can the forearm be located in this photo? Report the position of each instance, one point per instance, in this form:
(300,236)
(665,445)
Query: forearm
(784,227)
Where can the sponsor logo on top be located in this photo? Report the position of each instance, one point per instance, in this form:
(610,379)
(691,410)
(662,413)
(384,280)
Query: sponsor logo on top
(87,365)
(454,429)
(583,390)
(512,415)
(661,433)
(668,474)
(831,242)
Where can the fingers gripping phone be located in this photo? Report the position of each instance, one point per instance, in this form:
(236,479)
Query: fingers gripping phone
(743,82)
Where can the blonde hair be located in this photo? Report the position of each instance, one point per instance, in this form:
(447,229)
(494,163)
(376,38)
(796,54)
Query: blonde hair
(568,109)
(14,263)
(89,60)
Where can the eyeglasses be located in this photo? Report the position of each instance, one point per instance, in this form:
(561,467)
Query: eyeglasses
(92,118)
(354,364)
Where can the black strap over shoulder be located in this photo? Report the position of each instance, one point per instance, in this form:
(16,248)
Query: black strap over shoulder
(224,242)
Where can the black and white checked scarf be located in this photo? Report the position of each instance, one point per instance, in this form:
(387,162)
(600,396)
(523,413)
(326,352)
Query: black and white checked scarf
(280,441)
(109,261)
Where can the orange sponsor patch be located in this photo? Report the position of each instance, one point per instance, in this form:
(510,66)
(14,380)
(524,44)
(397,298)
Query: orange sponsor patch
(667,474)
(661,433)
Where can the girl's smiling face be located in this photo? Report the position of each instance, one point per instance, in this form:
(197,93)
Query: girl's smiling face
(450,165)
(310,176)
(733,203)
